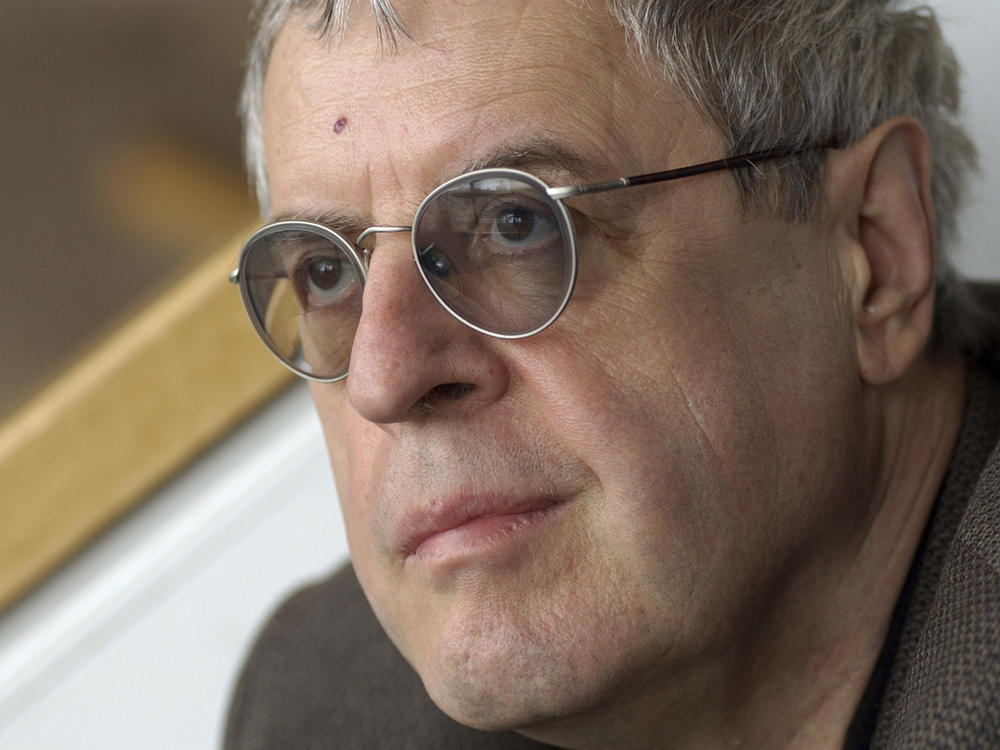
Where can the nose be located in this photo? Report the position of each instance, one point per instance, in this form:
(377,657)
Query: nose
(410,357)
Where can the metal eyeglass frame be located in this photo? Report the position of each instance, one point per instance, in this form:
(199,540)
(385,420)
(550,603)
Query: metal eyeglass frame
(556,194)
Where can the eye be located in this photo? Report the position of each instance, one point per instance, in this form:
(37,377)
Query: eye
(323,274)
(521,225)
(321,279)
(514,225)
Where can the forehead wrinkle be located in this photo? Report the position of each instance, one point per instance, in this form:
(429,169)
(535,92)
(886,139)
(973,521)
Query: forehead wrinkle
(583,159)
(388,175)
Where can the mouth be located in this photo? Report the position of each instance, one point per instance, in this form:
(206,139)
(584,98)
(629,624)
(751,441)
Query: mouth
(474,526)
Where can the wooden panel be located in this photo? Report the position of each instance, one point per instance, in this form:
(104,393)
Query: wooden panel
(120,422)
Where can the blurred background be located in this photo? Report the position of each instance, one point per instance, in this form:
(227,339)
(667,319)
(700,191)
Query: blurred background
(121,166)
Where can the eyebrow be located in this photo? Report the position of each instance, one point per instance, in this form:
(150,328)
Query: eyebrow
(530,153)
(342,222)
(536,151)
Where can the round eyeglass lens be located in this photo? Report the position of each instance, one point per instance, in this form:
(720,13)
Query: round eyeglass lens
(302,285)
(496,251)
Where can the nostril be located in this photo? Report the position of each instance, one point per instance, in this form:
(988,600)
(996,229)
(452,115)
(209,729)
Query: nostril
(443,394)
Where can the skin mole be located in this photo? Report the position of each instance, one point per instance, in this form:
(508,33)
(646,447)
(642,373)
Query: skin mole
(339,125)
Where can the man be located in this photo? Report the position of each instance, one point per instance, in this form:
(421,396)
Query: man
(703,459)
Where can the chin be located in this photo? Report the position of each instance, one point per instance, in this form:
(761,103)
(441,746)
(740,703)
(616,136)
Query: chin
(499,702)
(514,675)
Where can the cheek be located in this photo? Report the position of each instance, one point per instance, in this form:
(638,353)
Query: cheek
(330,402)
(350,443)
(674,398)
(669,452)
(696,416)
(684,476)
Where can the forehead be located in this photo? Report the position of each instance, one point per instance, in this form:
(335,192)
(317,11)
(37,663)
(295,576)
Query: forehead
(471,78)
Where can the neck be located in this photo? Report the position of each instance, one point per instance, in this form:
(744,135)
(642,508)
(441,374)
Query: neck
(916,421)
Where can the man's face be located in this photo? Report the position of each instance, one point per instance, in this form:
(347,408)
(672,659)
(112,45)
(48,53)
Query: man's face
(554,526)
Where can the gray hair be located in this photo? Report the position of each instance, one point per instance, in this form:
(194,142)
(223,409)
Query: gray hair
(764,73)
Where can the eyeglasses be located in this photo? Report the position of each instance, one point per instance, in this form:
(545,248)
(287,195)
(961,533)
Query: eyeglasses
(495,247)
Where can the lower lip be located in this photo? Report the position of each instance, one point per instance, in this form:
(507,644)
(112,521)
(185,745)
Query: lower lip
(483,535)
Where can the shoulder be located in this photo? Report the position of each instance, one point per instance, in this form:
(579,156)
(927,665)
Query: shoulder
(323,674)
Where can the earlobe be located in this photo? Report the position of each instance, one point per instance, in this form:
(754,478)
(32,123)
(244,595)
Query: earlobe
(893,294)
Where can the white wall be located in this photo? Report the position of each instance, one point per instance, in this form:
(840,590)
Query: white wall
(973,28)
(135,645)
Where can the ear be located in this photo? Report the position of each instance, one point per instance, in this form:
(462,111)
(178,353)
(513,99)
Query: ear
(891,218)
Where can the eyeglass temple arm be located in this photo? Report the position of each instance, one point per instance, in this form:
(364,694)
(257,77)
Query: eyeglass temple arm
(742,161)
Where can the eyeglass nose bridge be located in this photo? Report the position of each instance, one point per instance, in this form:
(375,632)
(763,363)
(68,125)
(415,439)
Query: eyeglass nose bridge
(366,252)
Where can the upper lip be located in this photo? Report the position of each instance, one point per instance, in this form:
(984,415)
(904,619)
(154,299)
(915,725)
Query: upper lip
(420,524)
